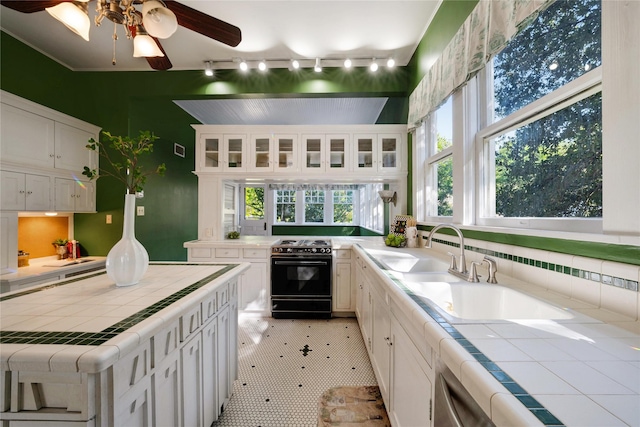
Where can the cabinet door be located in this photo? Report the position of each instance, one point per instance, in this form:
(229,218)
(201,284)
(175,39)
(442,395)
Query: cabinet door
(287,153)
(70,148)
(338,153)
(366,156)
(381,342)
(261,153)
(26,137)
(85,197)
(235,152)
(210,151)
(167,401)
(233,339)
(191,373)
(210,372)
(13,191)
(342,287)
(313,153)
(389,152)
(38,192)
(411,382)
(65,195)
(253,288)
(224,373)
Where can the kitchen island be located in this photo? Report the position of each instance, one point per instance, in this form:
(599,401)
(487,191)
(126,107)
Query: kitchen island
(83,352)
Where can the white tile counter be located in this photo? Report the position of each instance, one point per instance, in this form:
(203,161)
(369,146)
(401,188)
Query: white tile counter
(584,370)
(71,338)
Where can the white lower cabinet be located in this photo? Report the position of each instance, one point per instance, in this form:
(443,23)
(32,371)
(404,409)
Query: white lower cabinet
(401,360)
(344,295)
(224,381)
(192,379)
(411,382)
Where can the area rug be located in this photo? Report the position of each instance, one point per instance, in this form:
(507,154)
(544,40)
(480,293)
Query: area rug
(352,407)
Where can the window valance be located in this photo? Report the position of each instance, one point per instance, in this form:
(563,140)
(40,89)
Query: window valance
(325,187)
(487,30)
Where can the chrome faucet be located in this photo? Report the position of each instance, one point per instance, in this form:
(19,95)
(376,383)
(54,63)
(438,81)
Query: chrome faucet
(459,270)
(493,268)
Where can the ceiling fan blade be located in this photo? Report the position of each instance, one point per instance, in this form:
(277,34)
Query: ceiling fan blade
(30,6)
(160,63)
(204,24)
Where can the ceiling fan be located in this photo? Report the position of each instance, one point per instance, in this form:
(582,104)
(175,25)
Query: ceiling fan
(156,19)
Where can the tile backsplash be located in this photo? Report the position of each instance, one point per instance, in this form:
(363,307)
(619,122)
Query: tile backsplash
(605,284)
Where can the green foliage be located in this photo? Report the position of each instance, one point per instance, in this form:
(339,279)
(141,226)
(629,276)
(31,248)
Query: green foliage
(553,166)
(233,235)
(126,168)
(445,180)
(254,202)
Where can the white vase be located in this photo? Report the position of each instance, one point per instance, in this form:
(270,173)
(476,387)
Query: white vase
(127,261)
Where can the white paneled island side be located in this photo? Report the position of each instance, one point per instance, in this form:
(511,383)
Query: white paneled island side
(83,352)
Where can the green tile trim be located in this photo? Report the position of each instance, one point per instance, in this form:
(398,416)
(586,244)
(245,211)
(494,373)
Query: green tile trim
(618,282)
(530,402)
(98,338)
(627,254)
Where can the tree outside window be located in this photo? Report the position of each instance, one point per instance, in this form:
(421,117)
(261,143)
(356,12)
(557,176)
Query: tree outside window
(254,202)
(285,206)
(314,206)
(343,206)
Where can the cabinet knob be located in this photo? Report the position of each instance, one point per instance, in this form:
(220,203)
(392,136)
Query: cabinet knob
(29,192)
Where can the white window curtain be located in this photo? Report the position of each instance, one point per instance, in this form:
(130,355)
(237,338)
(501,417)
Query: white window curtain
(485,32)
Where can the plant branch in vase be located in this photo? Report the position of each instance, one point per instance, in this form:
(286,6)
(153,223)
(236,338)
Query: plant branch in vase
(128,260)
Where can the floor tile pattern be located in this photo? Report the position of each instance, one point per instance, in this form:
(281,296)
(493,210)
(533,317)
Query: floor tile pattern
(286,364)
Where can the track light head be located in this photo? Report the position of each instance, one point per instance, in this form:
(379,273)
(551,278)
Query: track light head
(208,70)
(317,68)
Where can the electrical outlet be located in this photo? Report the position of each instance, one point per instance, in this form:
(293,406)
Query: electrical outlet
(109,218)
(140,210)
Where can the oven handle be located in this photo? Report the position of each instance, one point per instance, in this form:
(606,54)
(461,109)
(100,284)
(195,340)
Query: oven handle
(292,262)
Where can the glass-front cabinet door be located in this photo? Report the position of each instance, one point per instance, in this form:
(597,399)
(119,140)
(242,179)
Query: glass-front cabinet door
(211,149)
(366,155)
(313,153)
(389,152)
(339,158)
(261,153)
(287,152)
(235,146)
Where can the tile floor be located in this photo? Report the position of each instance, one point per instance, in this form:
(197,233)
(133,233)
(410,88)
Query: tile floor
(285,365)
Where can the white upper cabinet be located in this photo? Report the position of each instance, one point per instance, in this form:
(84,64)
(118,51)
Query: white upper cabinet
(377,152)
(25,192)
(335,151)
(27,138)
(71,148)
(324,153)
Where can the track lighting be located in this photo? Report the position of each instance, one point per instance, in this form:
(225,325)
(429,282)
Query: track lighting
(74,16)
(243,66)
(208,71)
(317,68)
(295,64)
(262,66)
(391,63)
(347,63)
(374,66)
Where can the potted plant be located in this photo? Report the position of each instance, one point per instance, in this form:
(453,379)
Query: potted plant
(61,247)
(128,260)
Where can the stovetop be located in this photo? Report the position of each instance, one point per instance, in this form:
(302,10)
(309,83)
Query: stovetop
(304,246)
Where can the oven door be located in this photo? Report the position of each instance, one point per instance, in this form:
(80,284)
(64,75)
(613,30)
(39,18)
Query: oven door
(301,276)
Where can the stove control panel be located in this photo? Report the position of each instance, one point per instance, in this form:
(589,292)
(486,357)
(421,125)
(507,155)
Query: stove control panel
(300,250)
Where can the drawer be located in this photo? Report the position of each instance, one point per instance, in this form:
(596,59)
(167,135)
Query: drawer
(343,254)
(190,322)
(165,343)
(227,253)
(255,253)
(223,295)
(210,306)
(200,254)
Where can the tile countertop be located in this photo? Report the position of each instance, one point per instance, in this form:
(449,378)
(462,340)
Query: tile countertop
(86,324)
(45,269)
(584,371)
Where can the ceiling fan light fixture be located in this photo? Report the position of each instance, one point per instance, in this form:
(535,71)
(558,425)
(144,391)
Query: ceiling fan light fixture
(74,16)
(144,45)
(159,20)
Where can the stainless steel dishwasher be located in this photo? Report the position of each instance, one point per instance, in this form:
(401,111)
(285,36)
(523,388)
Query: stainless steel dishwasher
(454,406)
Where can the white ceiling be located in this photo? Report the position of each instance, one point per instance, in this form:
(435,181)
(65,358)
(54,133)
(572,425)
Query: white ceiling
(271,30)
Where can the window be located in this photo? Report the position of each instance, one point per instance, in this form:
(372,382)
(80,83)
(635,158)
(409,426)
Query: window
(314,206)
(254,202)
(543,152)
(285,206)
(343,206)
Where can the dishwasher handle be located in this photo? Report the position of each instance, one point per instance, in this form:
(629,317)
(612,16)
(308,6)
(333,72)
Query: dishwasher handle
(447,397)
